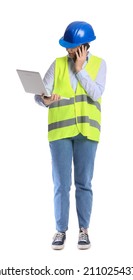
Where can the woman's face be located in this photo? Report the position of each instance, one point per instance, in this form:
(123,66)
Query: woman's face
(72,51)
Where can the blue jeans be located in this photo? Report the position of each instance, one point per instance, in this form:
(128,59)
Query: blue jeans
(82,151)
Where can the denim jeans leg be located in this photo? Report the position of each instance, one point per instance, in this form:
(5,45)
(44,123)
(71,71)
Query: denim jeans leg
(61,152)
(84,156)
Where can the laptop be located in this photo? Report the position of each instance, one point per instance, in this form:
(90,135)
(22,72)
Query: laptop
(32,82)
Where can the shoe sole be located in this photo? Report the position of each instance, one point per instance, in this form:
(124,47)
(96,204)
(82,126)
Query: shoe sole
(57,247)
(83,247)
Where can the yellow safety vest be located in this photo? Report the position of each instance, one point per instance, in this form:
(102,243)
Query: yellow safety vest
(79,114)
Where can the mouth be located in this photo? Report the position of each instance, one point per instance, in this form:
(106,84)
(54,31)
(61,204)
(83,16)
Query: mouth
(71,54)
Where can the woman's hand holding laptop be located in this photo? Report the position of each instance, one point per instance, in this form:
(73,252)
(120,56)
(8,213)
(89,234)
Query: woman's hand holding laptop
(49,100)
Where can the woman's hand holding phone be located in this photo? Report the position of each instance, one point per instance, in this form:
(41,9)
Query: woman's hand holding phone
(80,57)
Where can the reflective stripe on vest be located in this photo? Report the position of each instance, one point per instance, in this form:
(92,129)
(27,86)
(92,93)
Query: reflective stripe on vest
(79,114)
(69,122)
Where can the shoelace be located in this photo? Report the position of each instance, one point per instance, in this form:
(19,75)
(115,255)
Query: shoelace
(58,236)
(83,236)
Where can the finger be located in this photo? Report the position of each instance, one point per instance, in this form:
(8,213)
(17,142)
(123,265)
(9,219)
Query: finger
(52,97)
(79,51)
(84,48)
(57,97)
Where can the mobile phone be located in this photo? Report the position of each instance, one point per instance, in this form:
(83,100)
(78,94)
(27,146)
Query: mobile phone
(85,45)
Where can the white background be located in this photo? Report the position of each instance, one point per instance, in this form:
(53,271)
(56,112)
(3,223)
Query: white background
(29,34)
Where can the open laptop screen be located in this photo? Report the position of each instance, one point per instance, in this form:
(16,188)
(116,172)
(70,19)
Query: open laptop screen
(32,82)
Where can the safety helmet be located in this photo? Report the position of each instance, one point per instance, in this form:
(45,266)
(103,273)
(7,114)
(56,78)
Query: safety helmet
(77,33)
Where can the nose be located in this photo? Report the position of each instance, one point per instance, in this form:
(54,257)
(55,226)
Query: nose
(69,50)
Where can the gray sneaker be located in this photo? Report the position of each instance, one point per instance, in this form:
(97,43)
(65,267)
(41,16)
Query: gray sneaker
(59,240)
(83,241)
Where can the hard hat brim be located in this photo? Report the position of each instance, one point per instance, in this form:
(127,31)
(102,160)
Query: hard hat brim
(68,45)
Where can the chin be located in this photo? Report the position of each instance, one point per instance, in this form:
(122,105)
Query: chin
(71,55)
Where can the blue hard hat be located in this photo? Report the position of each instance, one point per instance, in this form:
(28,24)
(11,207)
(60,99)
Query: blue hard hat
(77,33)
